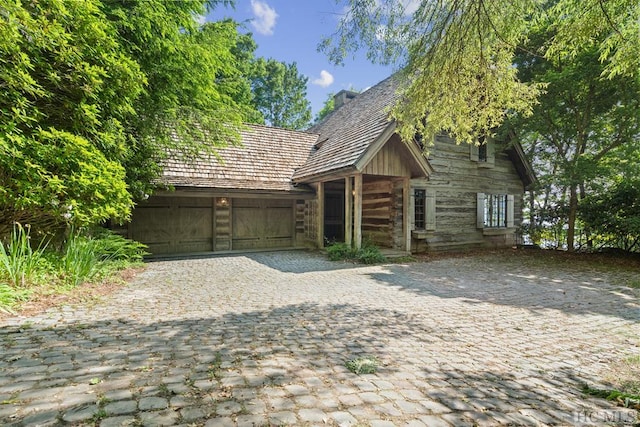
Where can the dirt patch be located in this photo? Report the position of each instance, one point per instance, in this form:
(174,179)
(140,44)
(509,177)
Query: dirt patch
(43,299)
(607,261)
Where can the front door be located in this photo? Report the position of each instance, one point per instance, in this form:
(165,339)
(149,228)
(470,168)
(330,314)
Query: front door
(334,216)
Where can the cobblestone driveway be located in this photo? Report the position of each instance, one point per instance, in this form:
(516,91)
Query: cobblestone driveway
(262,339)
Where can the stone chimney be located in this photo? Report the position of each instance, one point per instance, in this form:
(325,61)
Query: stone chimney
(342,97)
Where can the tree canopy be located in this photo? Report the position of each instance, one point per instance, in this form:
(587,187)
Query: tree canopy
(457,57)
(95,92)
(582,121)
(280,94)
(327,108)
(67,91)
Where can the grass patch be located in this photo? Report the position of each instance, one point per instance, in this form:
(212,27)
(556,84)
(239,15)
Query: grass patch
(214,372)
(363,365)
(634,360)
(20,263)
(10,297)
(623,399)
(98,416)
(33,270)
(367,254)
(635,284)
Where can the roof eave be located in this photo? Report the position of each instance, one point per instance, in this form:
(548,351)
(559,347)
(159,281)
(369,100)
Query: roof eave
(519,159)
(381,140)
(325,175)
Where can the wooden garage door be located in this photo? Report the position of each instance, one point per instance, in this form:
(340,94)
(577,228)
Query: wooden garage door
(262,223)
(171,225)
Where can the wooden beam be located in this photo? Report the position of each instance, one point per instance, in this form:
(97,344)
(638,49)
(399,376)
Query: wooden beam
(348,211)
(320,217)
(357,211)
(213,224)
(406,222)
(230,207)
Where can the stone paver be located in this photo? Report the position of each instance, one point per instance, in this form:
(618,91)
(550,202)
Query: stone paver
(262,338)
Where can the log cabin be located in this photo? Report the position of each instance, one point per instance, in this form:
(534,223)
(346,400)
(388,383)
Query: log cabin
(349,178)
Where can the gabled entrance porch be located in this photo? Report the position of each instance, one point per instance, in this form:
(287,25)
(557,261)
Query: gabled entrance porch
(366,208)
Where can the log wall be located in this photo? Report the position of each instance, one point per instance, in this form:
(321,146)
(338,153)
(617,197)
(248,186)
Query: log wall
(456,181)
(222,224)
(378,211)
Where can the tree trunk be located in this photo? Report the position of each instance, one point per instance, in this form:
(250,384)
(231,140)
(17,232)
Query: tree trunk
(573,209)
(533,227)
(587,231)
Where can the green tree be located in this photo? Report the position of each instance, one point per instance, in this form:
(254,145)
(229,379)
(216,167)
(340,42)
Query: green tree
(67,91)
(327,108)
(613,216)
(240,82)
(96,93)
(458,56)
(329,105)
(582,122)
(187,107)
(280,94)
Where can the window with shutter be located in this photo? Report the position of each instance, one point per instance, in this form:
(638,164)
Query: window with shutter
(431,210)
(483,153)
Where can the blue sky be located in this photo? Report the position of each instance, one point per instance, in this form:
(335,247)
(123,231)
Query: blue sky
(290,30)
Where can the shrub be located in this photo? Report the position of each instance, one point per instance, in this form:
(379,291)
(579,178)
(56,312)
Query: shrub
(79,262)
(368,254)
(86,256)
(340,251)
(20,264)
(114,247)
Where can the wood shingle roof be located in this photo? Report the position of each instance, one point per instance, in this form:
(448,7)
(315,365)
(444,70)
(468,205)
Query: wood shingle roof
(275,159)
(266,161)
(347,132)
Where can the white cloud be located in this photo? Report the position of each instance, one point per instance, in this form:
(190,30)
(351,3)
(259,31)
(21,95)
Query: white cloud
(264,17)
(325,80)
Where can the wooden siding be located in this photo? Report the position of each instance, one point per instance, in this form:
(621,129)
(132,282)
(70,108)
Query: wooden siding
(262,223)
(181,224)
(456,181)
(391,160)
(174,224)
(300,229)
(378,211)
(222,223)
(397,216)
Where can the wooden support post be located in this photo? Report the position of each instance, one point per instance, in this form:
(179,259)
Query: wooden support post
(320,217)
(230,213)
(213,224)
(348,211)
(406,221)
(357,212)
